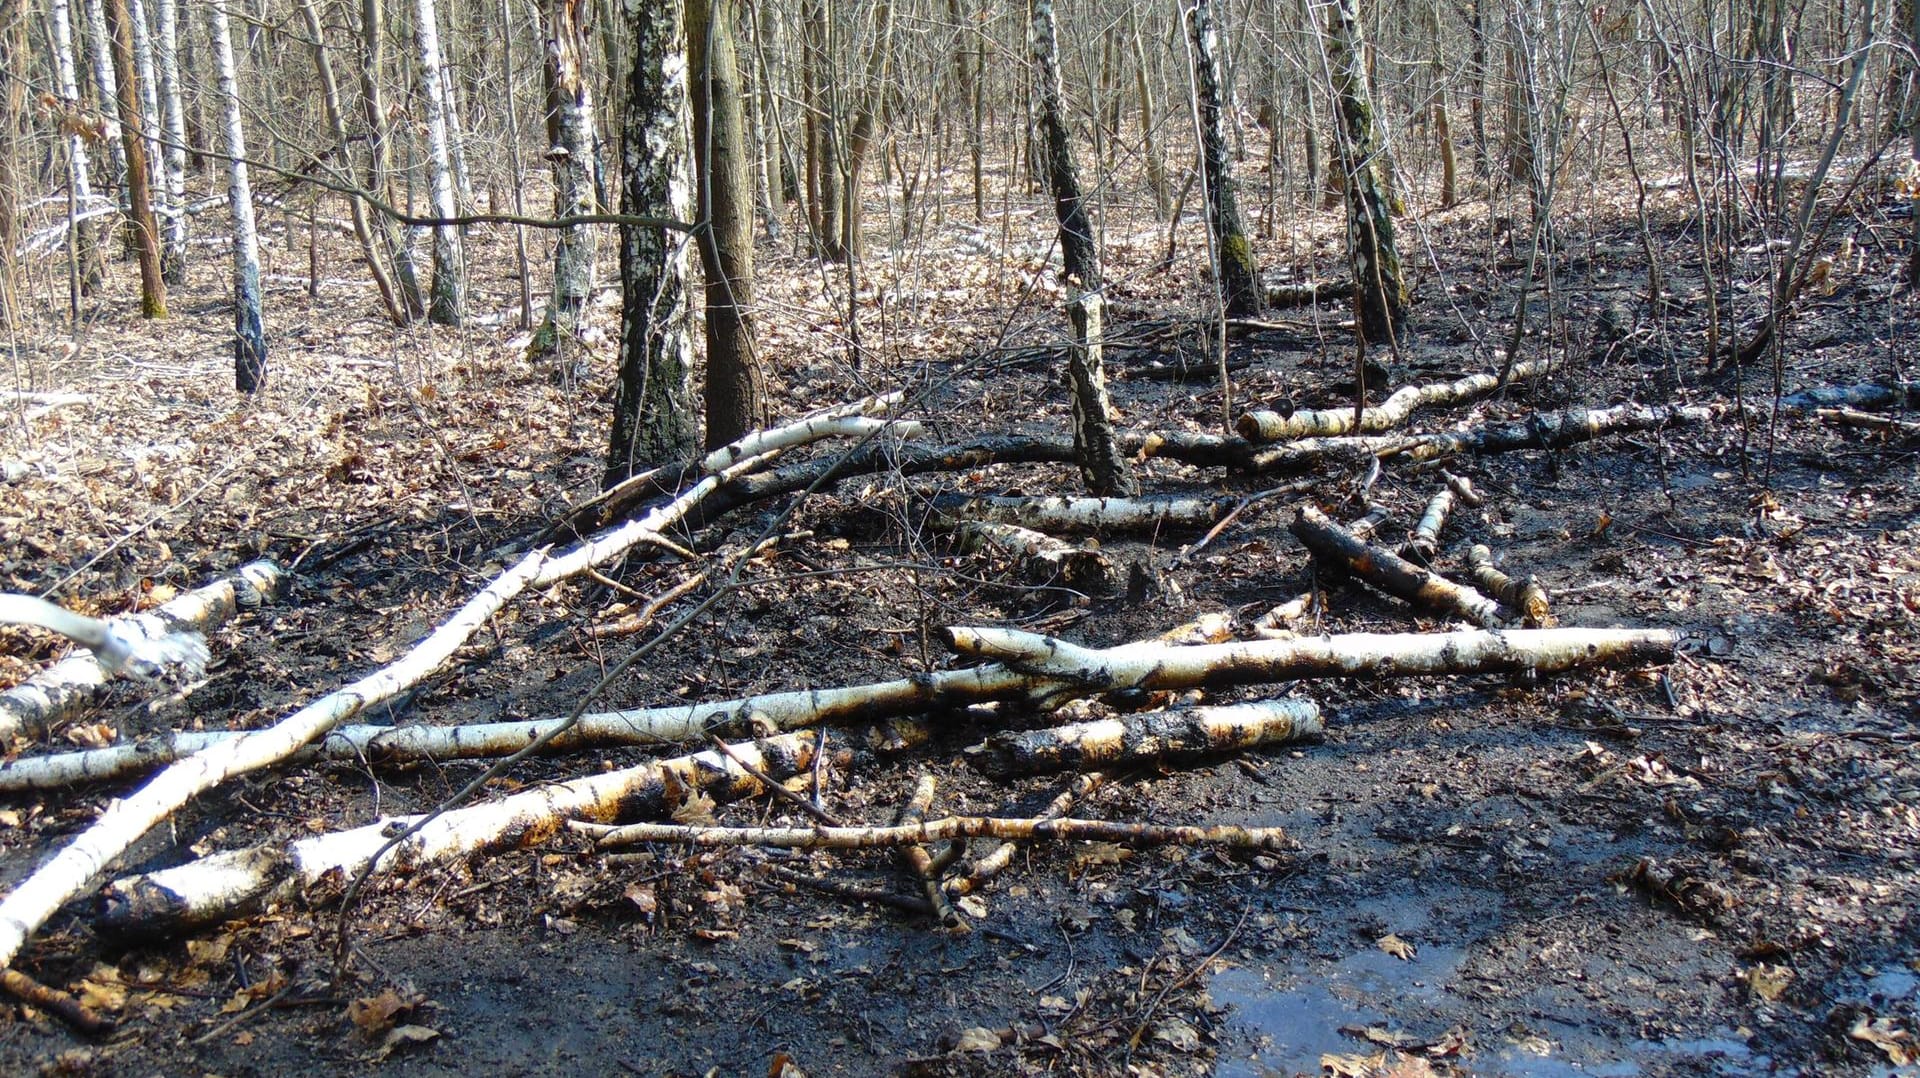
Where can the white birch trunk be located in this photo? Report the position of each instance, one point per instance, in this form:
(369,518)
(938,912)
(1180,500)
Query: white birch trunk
(250,340)
(173,158)
(446,298)
(107,86)
(78,164)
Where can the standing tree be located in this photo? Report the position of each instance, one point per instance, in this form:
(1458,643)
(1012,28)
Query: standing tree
(373,64)
(653,418)
(85,250)
(249,338)
(1379,295)
(721,149)
(1235,272)
(13,108)
(173,156)
(446,300)
(570,150)
(146,231)
(1102,466)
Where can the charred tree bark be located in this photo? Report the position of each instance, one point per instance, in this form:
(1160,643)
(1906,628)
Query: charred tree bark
(446,297)
(723,152)
(825,201)
(1237,273)
(1102,466)
(373,63)
(653,417)
(249,335)
(1380,297)
(570,151)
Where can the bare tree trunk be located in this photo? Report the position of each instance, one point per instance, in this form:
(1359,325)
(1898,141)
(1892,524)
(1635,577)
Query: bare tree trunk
(250,339)
(173,260)
(101,53)
(373,64)
(865,120)
(1102,466)
(149,93)
(13,107)
(83,240)
(825,201)
(1156,160)
(1913,121)
(570,142)
(337,123)
(1380,298)
(446,300)
(735,384)
(146,231)
(1237,275)
(653,417)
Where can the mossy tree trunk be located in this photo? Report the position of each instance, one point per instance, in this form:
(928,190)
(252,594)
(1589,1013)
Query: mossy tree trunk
(1380,298)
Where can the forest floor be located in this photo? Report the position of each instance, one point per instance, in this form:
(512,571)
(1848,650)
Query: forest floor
(1468,892)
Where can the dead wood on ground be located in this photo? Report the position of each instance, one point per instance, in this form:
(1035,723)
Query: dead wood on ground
(1389,572)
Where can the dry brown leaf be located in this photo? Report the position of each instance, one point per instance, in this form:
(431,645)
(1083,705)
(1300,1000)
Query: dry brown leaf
(1351,1066)
(695,811)
(976,1039)
(1397,947)
(1769,982)
(401,1036)
(1897,1043)
(1176,1034)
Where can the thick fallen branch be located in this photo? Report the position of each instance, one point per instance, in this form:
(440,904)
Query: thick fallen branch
(1267,426)
(1425,542)
(916,859)
(1147,513)
(855,419)
(69,686)
(1152,665)
(1390,572)
(1525,596)
(126,820)
(1543,430)
(642,726)
(1864,395)
(1303,293)
(226,884)
(945,829)
(1181,734)
(1042,558)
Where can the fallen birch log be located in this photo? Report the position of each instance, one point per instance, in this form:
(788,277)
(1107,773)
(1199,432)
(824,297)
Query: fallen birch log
(69,686)
(227,884)
(1864,395)
(1268,426)
(855,419)
(1042,559)
(1391,573)
(1302,293)
(69,871)
(1525,596)
(673,724)
(1545,430)
(1147,513)
(1152,665)
(946,829)
(1425,542)
(1180,734)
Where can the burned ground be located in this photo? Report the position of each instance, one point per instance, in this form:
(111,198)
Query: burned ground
(1702,869)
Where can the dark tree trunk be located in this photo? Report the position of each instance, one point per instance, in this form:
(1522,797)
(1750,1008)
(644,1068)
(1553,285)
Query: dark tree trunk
(653,417)
(1380,298)
(1238,275)
(1102,465)
(723,154)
